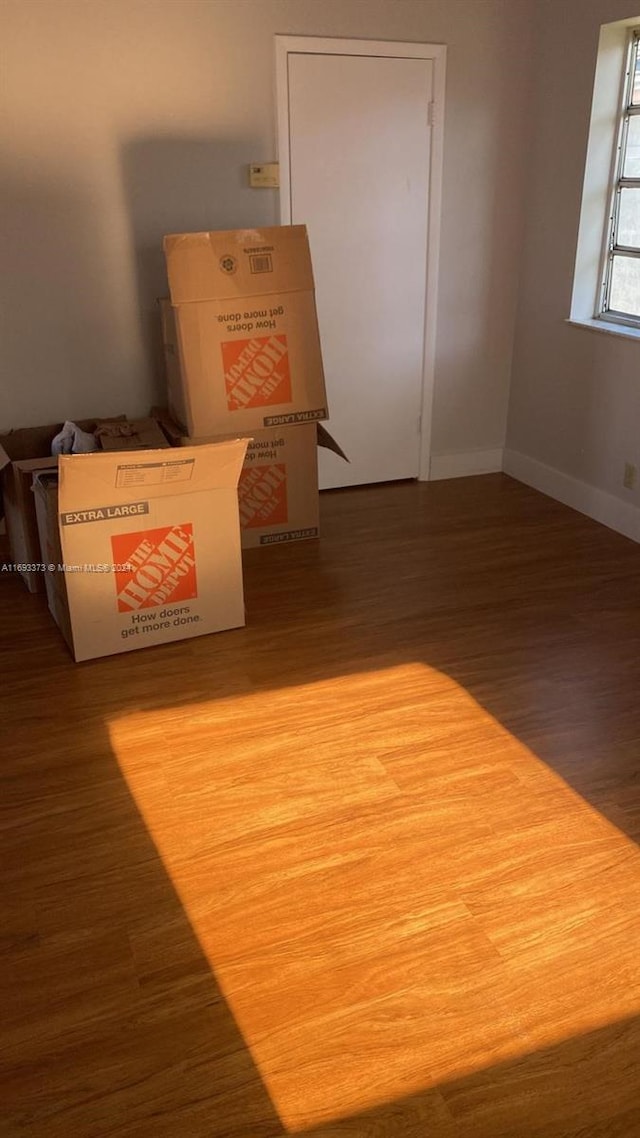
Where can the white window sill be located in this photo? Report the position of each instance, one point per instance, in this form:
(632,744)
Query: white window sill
(624,330)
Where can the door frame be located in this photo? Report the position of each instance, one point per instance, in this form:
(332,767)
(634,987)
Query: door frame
(436,53)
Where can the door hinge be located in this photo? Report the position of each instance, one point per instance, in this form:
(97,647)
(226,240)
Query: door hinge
(431,113)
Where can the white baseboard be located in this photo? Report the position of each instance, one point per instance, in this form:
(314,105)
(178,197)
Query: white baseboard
(464,463)
(623,517)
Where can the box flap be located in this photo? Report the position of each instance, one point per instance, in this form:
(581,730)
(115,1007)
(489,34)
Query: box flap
(134,434)
(96,482)
(329,443)
(29,442)
(35,442)
(29,465)
(45,478)
(238,263)
(176,434)
(170,428)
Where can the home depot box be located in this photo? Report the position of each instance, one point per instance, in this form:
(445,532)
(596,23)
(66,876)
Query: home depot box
(247,330)
(278,488)
(149,546)
(23,452)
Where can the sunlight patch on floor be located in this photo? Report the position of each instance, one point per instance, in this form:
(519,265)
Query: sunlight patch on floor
(391,888)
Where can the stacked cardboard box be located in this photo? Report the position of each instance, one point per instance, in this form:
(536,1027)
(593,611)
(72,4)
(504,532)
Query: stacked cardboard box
(243,357)
(139,544)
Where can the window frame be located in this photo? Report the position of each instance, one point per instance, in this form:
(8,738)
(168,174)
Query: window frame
(628,110)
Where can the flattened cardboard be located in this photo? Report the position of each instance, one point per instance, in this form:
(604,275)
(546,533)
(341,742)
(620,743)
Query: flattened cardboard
(246,329)
(135,434)
(150,542)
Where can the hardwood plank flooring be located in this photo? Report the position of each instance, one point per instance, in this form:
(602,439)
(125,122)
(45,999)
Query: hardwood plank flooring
(367,868)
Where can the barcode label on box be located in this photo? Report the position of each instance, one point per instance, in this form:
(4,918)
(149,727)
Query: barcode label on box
(154,473)
(261,263)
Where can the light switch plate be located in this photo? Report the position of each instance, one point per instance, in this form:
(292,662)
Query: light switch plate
(264,175)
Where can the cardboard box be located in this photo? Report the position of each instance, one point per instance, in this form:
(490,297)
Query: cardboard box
(150,545)
(278,489)
(278,495)
(45,496)
(247,331)
(24,540)
(134,434)
(27,451)
(22,453)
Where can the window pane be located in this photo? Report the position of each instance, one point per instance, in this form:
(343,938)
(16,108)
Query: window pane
(625,285)
(631,167)
(635,96)
(628,231)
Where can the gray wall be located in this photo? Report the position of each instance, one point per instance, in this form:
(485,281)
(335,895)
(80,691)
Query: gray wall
(127,119)
(575,394)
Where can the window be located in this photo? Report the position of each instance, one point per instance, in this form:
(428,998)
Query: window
(606,282)
(620,298)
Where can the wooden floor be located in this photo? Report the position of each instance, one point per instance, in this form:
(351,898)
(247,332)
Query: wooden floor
(368,867)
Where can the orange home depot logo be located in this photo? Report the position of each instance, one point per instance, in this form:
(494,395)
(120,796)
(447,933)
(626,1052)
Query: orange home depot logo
(256,372)
(262,495)
(161,567)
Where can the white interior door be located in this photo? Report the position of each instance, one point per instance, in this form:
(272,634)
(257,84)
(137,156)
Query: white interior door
(358,176)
